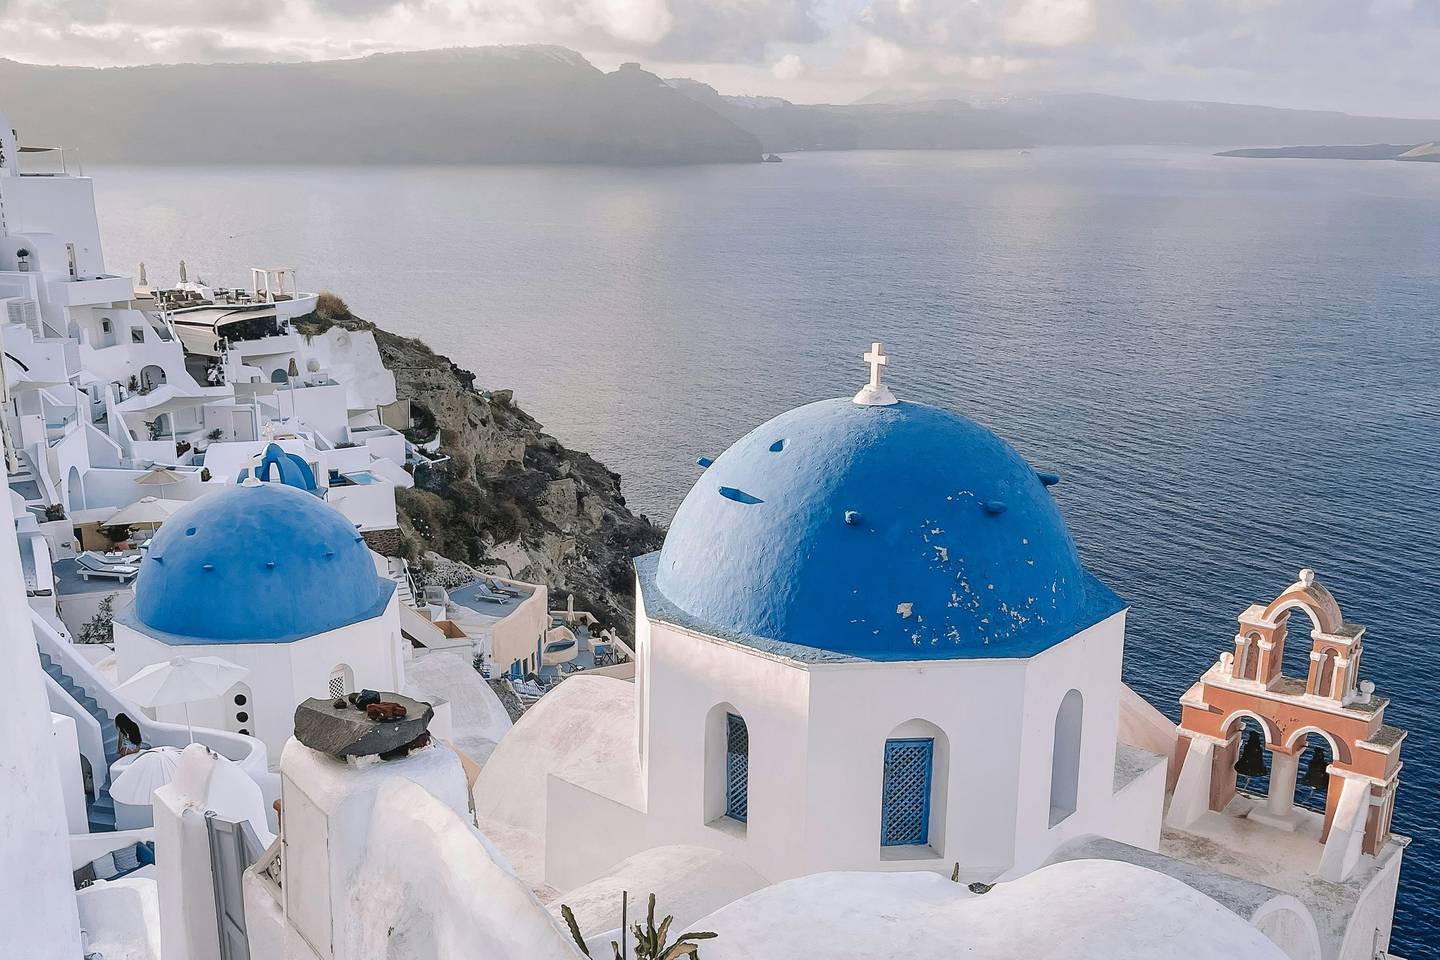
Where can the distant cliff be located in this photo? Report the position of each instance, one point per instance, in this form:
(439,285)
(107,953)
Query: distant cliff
(512,499)
(473,105)
(1367,151)
(949,120)
(546,104)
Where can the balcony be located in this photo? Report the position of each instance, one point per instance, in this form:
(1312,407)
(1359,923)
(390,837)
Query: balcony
(81,292)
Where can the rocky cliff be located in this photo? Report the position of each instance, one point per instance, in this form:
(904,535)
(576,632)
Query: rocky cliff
(511,499)
(528,104)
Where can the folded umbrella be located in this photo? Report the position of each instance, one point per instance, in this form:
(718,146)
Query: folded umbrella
(148,772)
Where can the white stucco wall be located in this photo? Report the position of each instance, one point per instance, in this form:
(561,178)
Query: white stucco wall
(37,903)
(816,758)
(203,781)
(1080,909)
(381,859)
(282,675)
(65,749)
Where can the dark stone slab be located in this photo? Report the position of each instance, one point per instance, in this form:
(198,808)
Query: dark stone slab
(346,731)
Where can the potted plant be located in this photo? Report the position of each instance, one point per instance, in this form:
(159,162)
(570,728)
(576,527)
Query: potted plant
(22,258)
(214,435)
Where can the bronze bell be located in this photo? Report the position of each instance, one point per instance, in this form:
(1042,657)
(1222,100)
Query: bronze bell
(1317,769)
(1252,756)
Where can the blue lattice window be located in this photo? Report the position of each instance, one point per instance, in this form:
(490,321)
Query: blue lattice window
(905,800)
(737,768)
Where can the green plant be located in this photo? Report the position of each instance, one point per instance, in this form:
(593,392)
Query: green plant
(101,627)
(650,940)
(215,435)
(55,512)
(157,432)
(22,254)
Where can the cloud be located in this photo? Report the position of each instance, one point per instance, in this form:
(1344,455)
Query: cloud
(788,67)
(1048,23)
(1361,55)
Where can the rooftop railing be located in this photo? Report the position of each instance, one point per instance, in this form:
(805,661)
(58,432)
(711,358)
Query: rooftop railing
(49,162)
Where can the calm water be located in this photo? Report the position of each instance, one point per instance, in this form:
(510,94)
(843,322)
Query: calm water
(1233,364)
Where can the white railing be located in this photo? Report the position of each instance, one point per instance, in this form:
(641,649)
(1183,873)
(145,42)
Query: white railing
(248,752)
(87,731)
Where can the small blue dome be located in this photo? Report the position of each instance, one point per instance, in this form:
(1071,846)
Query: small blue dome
(278,466)
(897,532)
(261,563)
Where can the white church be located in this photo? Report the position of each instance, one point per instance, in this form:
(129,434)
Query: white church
(874,709)
(868,644)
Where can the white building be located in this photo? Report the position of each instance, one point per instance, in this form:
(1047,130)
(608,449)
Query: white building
(268,577)
(868,644)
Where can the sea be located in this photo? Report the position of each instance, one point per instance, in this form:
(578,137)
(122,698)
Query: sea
(1233,364)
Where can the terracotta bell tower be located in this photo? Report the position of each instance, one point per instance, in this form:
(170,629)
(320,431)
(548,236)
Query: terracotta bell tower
(1331,701)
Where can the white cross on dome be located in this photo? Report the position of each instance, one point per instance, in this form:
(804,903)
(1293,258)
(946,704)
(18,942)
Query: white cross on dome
(875,393)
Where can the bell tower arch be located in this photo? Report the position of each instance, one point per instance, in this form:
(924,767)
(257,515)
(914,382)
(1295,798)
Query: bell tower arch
(1331,701)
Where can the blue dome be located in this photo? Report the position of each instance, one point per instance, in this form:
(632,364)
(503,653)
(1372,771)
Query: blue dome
(900,532)
(262,563)
(278,466)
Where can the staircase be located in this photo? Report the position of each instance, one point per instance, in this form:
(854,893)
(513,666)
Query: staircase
(101,810)
(400,573)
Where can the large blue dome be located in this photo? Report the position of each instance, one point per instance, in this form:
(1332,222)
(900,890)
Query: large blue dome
(261,563)
(898,532)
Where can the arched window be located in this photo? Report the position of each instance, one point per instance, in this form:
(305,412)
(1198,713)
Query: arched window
(151,376)
(75,490)
(1325,674)
(737,768)
(727,766)
(1251,667)
(342,680)
(905,796)
(1065,757)
(279,375)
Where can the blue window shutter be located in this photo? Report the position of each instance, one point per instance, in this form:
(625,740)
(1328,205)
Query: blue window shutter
(737,768)
(905,799)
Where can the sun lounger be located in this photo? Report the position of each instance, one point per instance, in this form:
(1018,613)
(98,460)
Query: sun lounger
(497,587)
(483,592)
(88,565)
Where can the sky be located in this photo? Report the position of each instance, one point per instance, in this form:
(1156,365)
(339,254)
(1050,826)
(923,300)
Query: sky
(1360,56)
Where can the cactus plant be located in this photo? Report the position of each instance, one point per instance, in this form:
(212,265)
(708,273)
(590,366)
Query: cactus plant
(650,940)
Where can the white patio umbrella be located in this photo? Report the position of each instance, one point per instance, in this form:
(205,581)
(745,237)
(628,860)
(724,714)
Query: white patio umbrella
(182,680)
(147,511)
(159,475)
(148,772)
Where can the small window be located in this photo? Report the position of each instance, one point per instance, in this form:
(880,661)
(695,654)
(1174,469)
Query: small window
(737,768)
(342,681)
(1065,757)
(137,335)
(905,797)
(104,324)
(240,699)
